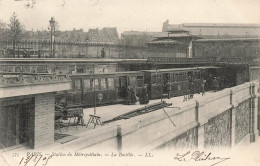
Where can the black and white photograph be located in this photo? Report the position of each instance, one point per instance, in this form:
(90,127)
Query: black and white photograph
(129,82)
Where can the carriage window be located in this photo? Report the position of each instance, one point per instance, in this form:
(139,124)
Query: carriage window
(184,76)
(173,77)
(96,83)
(180,77)
(111,84)
(140,81)
(87,85)
(81,69)
(177,77)
(159,80)
(132,80)
(154,79)
(77,84)
(103,84)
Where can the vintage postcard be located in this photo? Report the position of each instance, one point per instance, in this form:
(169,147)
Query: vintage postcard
(129,82)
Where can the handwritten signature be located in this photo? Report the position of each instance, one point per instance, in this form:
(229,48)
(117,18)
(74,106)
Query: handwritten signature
(35,160)
(199,156)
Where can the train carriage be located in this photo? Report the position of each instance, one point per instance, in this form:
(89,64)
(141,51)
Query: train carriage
(109,88)
(177,77)
(104,88)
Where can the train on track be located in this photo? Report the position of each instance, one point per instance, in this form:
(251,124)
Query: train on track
(110,88)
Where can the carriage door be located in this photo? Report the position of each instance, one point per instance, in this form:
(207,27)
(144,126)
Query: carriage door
(122,87)
(77,91)
(166,79)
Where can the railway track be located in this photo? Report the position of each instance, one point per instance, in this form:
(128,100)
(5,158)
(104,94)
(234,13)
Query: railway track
(140,111)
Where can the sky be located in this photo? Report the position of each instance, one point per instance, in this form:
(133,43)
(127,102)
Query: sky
(126,15)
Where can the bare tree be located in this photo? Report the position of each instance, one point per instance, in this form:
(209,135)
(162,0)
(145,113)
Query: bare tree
(15,31)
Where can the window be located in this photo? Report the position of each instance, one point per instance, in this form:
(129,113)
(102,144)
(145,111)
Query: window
(87,85)
(77,84)
(111,84)
(180,77)
(81,69)
(159,80)
(156,79)
(96,84)
(103,84)
(185,76)
(173,77)
(132,80)
(140,81)
(153,81)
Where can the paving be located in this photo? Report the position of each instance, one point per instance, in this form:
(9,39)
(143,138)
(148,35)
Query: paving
(108,112)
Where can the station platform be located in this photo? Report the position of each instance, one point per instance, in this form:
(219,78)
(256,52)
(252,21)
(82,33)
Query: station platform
(109,112)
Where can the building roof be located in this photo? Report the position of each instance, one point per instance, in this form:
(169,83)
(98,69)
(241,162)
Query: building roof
(170,42)
(227,39)
(173,35)
(139,33)
(219,25)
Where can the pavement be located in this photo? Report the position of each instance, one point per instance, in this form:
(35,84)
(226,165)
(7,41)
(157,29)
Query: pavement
(109,112)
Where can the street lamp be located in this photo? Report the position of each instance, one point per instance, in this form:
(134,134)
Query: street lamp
(52,29)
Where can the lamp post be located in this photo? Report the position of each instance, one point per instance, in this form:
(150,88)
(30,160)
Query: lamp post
(52,29)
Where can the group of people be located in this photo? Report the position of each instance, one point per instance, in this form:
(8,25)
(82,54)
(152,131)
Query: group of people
(131,97)
(202,82)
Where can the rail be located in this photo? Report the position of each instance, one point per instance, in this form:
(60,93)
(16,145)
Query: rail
(140,111)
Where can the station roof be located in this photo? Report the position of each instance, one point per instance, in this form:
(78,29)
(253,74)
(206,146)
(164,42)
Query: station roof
(162,42)
(227,39)
(181,69)
(173,35)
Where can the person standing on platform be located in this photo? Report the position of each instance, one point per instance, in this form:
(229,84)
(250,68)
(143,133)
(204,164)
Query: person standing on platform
(133,95)
(202,85)
(191,88)
(144,96)
(128,95)
(215,84)
(168,89)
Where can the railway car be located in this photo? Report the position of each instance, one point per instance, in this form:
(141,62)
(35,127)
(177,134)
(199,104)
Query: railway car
(109,88)
(104,88)
(177,77)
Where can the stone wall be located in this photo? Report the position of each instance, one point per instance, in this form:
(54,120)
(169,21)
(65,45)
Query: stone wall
(218,131)
(242,120)
(186,140)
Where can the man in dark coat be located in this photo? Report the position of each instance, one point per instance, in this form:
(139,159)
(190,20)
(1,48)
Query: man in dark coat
(133,95)
(128,95)
(191,89)
(144,99)
(202,85)
(168,89)
(215,84)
